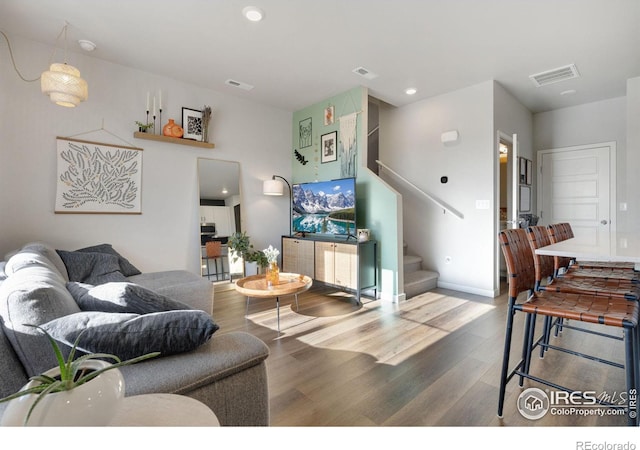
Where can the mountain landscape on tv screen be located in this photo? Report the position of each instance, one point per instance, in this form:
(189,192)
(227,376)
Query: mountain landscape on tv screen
(324,207)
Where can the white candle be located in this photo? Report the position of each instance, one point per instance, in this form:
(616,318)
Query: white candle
(147,101)
(160,93)
(154,106)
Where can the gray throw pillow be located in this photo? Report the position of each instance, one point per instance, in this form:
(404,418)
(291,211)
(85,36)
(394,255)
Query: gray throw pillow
(131,335)
(92,268)
(121,298)
(126,267)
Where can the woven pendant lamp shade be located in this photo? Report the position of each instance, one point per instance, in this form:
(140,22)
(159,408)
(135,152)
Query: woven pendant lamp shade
(63,85)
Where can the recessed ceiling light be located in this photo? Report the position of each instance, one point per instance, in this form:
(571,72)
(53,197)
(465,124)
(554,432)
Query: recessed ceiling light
(410,91)
(253,13)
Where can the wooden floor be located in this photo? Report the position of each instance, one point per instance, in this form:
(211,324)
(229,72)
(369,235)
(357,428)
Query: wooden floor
(433,360)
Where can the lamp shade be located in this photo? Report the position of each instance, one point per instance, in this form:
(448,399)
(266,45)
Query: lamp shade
(273,187)
(63,85)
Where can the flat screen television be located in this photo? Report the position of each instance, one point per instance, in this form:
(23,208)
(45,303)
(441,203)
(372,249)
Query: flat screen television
(325,207)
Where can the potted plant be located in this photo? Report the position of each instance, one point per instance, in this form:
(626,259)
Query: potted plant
(144,127)
(84,391)
(241,246)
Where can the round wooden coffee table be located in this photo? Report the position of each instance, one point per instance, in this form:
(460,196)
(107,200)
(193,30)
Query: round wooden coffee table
(289,284)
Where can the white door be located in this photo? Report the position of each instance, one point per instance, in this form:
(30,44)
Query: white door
(577,185)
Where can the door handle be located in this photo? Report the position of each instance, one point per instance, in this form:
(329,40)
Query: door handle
(604,222)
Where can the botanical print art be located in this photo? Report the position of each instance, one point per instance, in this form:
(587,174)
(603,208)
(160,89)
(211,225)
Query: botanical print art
(98,178)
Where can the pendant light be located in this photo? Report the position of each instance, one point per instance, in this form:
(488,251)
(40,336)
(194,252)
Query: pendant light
(62,82)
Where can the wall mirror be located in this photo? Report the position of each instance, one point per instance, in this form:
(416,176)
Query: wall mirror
(219,209)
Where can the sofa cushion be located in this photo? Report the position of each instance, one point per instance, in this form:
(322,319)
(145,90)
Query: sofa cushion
(130,335)
(121,298)
(33,296)
(38,254)
(126,267)
(92,267)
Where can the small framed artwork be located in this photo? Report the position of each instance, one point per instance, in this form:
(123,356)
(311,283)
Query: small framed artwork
(529,176)
(305,130)
(523,170)
(329,115)
(525,199)
(329,146)
(192,124)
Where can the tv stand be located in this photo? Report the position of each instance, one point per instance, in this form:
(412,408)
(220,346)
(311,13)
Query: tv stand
(345,264)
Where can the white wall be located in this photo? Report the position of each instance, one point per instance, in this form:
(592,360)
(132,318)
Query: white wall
(630,170)
(166,234)
(410,145)
(602,121)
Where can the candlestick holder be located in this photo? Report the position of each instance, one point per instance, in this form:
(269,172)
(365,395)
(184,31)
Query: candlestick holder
(160,120)
(147,121)
(154,123)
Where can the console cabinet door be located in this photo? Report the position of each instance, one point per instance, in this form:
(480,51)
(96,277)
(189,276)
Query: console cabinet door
(325,262)
(346,265)
(297,256)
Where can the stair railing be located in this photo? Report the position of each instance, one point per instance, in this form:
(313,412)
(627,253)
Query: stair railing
(446,207)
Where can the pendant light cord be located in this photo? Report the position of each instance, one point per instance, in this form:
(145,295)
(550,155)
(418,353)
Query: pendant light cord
(13,61)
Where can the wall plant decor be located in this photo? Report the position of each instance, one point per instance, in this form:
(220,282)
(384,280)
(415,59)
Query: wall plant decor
(101,178)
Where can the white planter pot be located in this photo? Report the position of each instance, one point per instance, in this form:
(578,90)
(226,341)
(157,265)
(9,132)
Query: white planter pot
(91,404)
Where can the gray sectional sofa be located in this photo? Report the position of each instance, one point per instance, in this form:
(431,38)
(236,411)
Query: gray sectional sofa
(224,370)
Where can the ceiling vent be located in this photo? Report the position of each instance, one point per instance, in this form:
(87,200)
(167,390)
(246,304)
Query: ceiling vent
(366,73)
(555,75)
(239,84)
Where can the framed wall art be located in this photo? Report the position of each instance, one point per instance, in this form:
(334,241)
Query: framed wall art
(305,132)
(329,115)
(329,147)
(192,124)
(98,178)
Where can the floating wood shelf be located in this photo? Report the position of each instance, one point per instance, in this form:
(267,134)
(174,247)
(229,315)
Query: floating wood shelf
(171,140)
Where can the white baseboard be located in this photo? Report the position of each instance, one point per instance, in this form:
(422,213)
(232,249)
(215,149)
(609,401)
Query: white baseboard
(468,289)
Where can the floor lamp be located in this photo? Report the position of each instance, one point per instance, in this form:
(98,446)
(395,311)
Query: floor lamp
(276,187)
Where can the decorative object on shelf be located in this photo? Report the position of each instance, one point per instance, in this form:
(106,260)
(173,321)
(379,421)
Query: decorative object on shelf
(300,157)
(329,115)
(192,123)
(275,187)
(305,129)
(144,127)
(172,129)
(82,392)
(206,117)
(241,246)
(98,178)
(273,272)
(364,234)
(329,147)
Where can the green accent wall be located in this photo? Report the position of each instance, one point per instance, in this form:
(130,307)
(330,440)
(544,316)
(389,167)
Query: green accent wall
(379,208)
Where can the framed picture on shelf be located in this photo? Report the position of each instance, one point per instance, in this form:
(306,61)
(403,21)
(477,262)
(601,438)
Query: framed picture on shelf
(192,124)
(329,147)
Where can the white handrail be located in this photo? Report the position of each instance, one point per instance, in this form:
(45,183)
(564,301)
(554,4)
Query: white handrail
(435,200)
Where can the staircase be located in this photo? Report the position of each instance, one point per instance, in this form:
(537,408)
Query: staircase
(416,279)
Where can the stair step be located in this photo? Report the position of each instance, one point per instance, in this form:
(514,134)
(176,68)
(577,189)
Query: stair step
(411,263)
(420,281)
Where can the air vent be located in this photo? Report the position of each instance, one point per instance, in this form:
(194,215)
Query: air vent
(239,84)
(555,75)
(366,73)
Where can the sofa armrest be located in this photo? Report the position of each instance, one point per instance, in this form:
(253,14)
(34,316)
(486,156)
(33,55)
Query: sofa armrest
(228,374)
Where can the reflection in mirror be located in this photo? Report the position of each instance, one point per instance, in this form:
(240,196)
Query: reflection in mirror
(219,201)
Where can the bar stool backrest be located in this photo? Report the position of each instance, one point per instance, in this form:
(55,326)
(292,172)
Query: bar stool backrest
(544,265)
(519,260)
